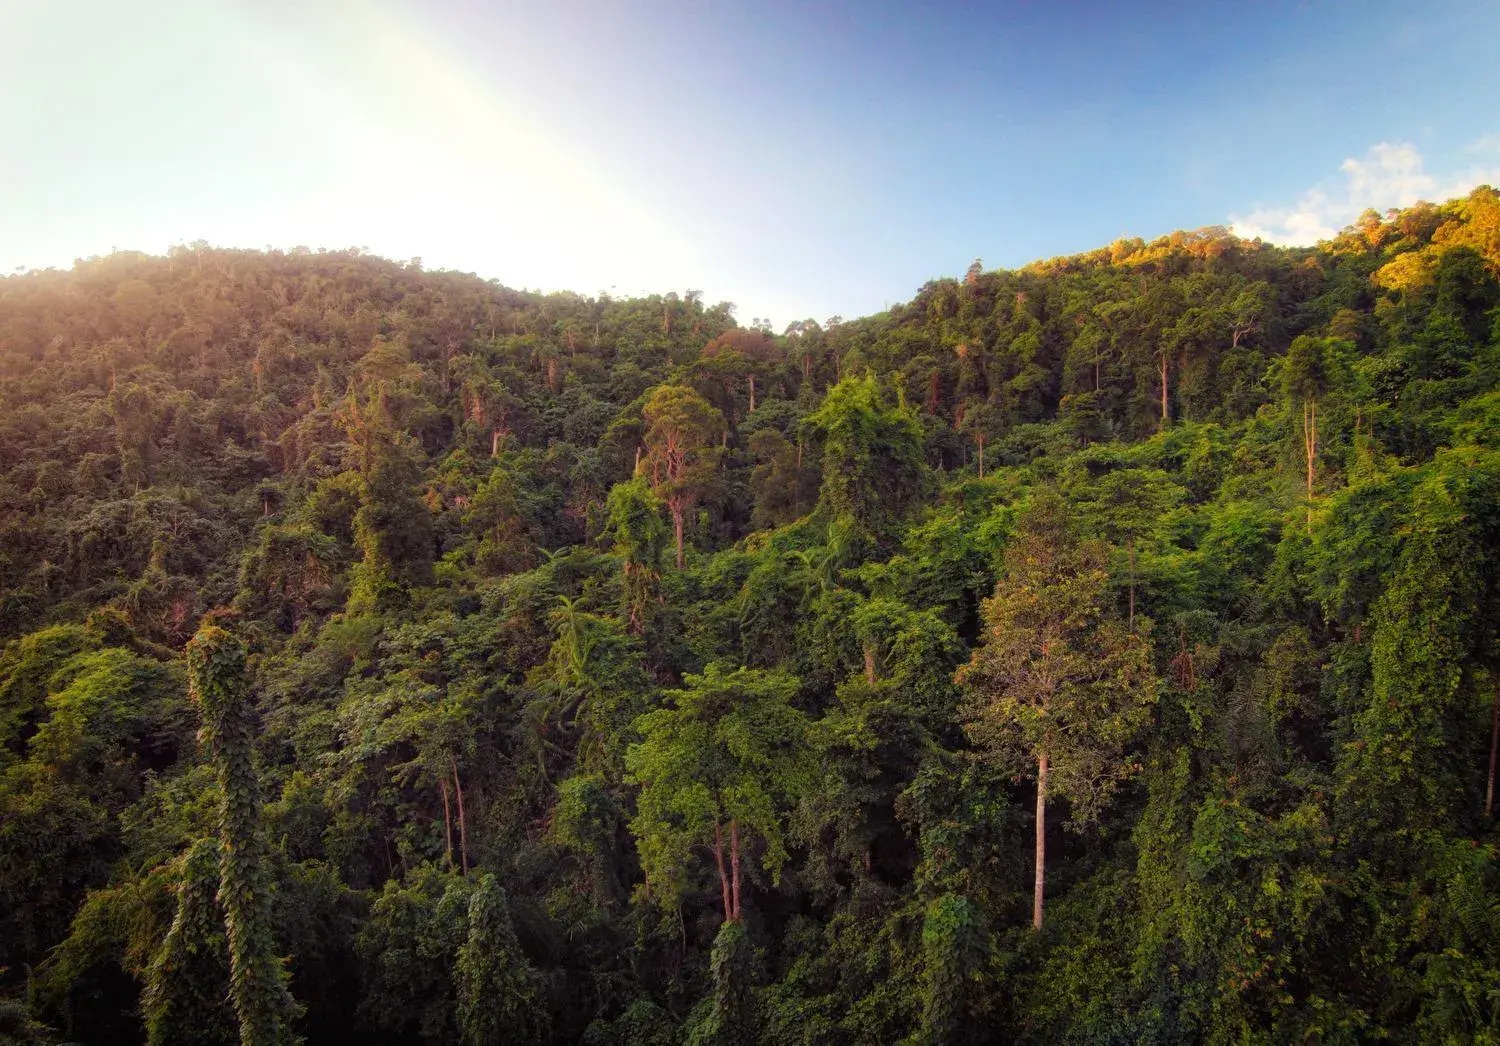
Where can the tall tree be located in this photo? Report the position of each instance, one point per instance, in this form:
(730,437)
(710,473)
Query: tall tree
(982,420)
(679,460)
(1055,682)
(717,767)
(1305,378)
(257,977)
(1126,505)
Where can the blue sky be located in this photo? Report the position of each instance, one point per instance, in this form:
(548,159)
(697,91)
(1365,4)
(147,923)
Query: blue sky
(799,159)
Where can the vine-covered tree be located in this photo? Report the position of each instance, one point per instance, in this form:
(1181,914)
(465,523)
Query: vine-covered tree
(257,977)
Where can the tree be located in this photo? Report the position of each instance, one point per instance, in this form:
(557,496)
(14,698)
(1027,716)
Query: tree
(1306,376)
(186,983)
(635,519)
(496,985)
(392,529)
(679,459)
(746,351)
(408,945)
(728,1016)
(1054,681)
(782,485)
(982,420)
(717,767)
(953,948)
(1126,505)
(872,458)
(257,977)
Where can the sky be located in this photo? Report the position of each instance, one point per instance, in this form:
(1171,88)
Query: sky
(802,160)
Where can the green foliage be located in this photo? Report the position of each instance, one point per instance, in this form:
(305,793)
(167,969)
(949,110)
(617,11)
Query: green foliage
(408,945)
(728,1016)
(953,951)
(728,751)
(437,511)
(872,460)
(496,989)
(257,976)
(1055,679)
(187,982)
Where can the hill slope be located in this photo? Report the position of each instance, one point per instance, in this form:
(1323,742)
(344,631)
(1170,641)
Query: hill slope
(619,674)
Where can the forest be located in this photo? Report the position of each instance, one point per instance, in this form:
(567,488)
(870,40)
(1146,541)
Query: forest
(1101,651)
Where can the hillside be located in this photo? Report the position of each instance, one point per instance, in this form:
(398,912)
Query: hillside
(599,670)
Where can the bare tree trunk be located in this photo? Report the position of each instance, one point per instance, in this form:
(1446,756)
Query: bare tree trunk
(870,663)
(734,863)
(1310,447)
(1131,547)
(752,394)
(494,443)
(1041,840)
(677,531)
(981,457)
(723,875)
(447,821)
(1489,792)
(463,821)
(1164,417)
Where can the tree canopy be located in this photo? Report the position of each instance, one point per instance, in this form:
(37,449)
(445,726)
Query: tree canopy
(387,653)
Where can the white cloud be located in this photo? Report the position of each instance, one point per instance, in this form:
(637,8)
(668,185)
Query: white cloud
(1389,175)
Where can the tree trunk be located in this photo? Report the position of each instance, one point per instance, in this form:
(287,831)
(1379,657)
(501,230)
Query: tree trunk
(463,820)
(1310,447)
(447,821)
(677,531)
(1164,418)
(494,443)
(870,663)
(734,863)
(981,456)
(1041,840)
(752,394)
(1489,792)
(1131,546)
(723,875)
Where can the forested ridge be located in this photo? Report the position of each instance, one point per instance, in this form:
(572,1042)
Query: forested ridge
(1098,652)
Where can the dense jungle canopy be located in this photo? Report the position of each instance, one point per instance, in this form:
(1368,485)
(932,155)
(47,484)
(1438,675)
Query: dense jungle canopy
(1103,651)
